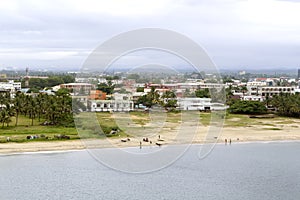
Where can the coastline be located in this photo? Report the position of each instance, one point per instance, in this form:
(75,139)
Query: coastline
(238,129)
(78,145)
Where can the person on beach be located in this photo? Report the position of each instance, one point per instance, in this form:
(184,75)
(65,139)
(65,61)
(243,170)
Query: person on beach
(225,141)
(230,141)
(140,145)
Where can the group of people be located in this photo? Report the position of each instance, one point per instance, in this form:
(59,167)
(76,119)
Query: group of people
(147,140)
(227,141)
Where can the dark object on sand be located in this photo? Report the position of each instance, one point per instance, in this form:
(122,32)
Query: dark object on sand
(262,116)
(62,137)
(158,144)
(124,140)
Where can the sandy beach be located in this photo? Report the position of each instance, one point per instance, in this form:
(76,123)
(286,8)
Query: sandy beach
(172,133)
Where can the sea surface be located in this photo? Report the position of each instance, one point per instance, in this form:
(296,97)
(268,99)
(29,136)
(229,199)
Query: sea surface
(267,171)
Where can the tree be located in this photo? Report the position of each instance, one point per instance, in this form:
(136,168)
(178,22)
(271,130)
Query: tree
(150,99)
(63,91)
(229,95)
(32,109)
(169,100)
(247,107)
(202,93)
(18,105)
(108,87)
(133,76)
(286,104)
(140,89)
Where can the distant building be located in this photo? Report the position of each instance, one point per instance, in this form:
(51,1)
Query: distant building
(271,91)
(242,73)
(111,105)
(97,95)
(120,96)
(10,86)
(194,103)
(252,98)
(85,88)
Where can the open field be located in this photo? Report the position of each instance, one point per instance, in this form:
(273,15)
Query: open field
(24,129)
(172,128)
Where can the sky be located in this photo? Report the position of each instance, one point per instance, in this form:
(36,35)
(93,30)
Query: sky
(236,34)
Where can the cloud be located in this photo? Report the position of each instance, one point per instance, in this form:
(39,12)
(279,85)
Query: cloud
(63,32)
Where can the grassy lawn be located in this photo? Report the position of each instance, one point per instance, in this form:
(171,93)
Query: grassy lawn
(238,120)
(24,128)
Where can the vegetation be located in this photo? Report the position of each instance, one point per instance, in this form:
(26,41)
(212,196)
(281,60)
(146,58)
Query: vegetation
(140,89)
(167,100)
(150,99)
(108,87)
(38,83)
(286,104)
(25,128)
(53,109)
(247,107)
(202,93)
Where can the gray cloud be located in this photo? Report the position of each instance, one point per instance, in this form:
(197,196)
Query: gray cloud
(235,33)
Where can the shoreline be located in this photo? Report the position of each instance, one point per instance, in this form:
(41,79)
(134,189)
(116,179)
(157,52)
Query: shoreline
(68,148)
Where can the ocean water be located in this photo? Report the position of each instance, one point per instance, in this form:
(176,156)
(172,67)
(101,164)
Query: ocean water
(266,171)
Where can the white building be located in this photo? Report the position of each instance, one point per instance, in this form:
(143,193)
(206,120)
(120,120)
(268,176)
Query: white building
(269,90)
(111,105)
(256,83)
(194,103)
(120,96)
(252,98)
(11,87)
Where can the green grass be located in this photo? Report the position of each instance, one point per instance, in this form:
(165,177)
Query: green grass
(285,121)
(205,118)
(141,118)
(24,128)
(237,120)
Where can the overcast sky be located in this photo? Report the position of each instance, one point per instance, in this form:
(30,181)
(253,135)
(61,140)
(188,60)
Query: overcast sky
(239,34)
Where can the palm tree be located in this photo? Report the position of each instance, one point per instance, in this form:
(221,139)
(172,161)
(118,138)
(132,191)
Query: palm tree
(32,108)
(3,117)
(18,105)
(169,100)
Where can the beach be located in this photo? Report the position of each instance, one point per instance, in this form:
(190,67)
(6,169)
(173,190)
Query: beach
(176,135)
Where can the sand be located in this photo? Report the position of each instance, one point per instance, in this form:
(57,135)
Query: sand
(170,134)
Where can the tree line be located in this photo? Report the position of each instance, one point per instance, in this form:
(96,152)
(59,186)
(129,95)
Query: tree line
(36,84)
(284,104)
(49,109)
